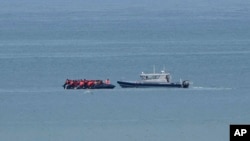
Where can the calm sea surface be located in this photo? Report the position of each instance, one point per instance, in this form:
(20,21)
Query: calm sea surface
(40,49)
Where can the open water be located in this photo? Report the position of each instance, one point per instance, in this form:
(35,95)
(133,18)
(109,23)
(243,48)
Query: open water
(41,47)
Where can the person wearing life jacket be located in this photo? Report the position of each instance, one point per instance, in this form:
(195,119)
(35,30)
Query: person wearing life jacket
(66,83)
(77,83)
(74,84)
(85,83)
(81,84)
(107,81)
(70,84)
(90,83)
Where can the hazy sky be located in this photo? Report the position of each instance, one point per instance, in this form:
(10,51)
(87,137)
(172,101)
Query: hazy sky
(78,5)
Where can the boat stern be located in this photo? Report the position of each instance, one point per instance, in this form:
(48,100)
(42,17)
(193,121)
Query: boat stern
(185,84)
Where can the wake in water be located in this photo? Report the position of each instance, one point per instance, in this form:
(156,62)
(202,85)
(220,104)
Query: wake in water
(88,92)
(210,88)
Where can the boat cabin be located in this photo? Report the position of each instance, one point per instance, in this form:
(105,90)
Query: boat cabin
(155,77)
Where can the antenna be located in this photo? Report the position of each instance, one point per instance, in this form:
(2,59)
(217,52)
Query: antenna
(154,68)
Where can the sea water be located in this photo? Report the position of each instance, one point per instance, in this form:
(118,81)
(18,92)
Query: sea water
(43,45)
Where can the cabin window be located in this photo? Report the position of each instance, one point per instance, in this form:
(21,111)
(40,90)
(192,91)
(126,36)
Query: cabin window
(150,77)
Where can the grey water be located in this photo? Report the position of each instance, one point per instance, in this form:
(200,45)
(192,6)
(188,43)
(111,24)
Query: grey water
(44,43)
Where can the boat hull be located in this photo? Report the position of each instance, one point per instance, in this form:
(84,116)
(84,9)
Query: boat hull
(97,86)
(104,86)
(127,84)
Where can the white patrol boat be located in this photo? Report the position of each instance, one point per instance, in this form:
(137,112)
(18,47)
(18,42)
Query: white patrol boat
(162,79)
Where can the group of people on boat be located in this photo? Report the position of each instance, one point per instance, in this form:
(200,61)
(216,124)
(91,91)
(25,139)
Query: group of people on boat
(84,84)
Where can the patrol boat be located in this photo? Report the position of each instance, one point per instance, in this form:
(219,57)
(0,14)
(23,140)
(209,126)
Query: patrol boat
(162,79)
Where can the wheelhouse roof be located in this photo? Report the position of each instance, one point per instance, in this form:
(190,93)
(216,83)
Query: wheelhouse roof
(154,74)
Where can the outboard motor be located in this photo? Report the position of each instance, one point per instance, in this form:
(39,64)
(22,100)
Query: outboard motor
(185,84)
